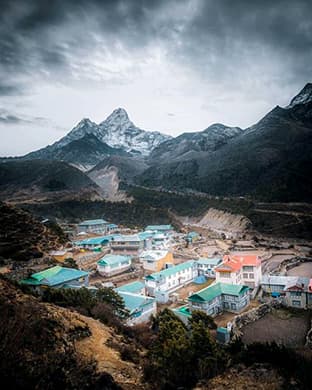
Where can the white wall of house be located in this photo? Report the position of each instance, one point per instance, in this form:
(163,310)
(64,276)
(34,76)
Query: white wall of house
(113,269)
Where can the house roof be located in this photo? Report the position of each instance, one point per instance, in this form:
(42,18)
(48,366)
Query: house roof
(214,290)
(94,241)
(54,276)
(153,255)
(133,287)
(134,302)
(183,310)
(213,261)
(127,238)
(192,234)
(93,222)
(113,259)
(170,271)
(159,227)
(236,262)
(278,280)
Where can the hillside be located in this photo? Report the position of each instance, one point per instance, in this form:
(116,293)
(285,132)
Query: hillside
(270,160)
(44,179)
(83,153)
(47,347)
(22,237)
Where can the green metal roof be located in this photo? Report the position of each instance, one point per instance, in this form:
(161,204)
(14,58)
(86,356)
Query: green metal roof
(94,241)
(93,222)
(207,261)
(183,310)
(113,259)
(159,227)
(170,271)
(133,287)
(54,276)
(214,290)
(135,302)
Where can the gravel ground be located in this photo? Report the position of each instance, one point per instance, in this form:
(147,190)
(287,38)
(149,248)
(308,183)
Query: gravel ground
(281,326)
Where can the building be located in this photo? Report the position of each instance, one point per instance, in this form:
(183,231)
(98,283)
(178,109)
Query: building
(170,279)
(167,229)
(140,307)
(156,260)
(59,256)
(127,244)
(295,291)
(112,264)
(206,266)
(57,277)
(240,269)
(192,237)
(220,297)
(161,241)
(112,228)
(134,288)
(97,226)
(92,243)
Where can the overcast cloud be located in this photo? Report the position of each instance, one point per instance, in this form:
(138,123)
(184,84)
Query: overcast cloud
(175,66)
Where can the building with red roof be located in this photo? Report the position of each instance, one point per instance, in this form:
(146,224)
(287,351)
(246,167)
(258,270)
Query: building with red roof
(240,269)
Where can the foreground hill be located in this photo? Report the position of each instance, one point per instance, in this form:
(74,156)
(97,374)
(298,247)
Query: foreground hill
(271,160)
(47,347)
(44,179)
(22,237)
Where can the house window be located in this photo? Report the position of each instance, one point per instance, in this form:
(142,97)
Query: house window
(251,276)
(295,294)
(233,306)
(245,276)
(296,303)
(247,268)
(225,274)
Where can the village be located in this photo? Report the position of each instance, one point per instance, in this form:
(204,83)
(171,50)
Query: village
(237,281)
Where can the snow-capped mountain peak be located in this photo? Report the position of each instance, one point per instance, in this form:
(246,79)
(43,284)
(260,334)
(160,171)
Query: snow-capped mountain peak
(303,97)
(117,131)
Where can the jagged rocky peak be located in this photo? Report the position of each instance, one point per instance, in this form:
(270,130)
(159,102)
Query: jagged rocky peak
(303,97)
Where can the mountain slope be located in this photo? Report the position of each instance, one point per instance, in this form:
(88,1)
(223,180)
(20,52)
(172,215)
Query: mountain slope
(187,145)
(83,153)
(117,132)
(22,237)
(44,179)
(271,160)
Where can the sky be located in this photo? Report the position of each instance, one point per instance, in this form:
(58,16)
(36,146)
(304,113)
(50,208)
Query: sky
(174,65)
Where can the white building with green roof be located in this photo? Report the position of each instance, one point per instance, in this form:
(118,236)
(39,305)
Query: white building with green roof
(112,264)
(170,279)
(220,297)
(97,226)
(206,266)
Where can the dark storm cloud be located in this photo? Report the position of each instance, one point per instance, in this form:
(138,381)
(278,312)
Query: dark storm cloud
(213,37)
(10,118)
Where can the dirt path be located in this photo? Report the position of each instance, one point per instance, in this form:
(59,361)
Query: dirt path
(108,360)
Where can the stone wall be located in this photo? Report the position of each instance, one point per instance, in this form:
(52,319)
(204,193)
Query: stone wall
(252,315)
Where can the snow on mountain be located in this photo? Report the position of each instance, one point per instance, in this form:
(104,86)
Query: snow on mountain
(116,131)
(303,97)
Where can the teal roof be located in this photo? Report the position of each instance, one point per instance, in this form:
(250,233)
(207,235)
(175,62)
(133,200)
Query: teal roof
(192,234)
(134,287)
(183,310)
(93,222)
(113,259)
(145,235)
(159,227)
(135,302)
(170,271)
(94,241)
(54,276)
(217,289)
(213,261)
(112,225)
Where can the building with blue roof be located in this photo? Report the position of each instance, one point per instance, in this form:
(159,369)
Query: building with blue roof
(160,228)
(170,279)
(129,244)
(57,277)
(206,266)
(93,242)
(140,307)
(112,264)
(96,226)
(136,287)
